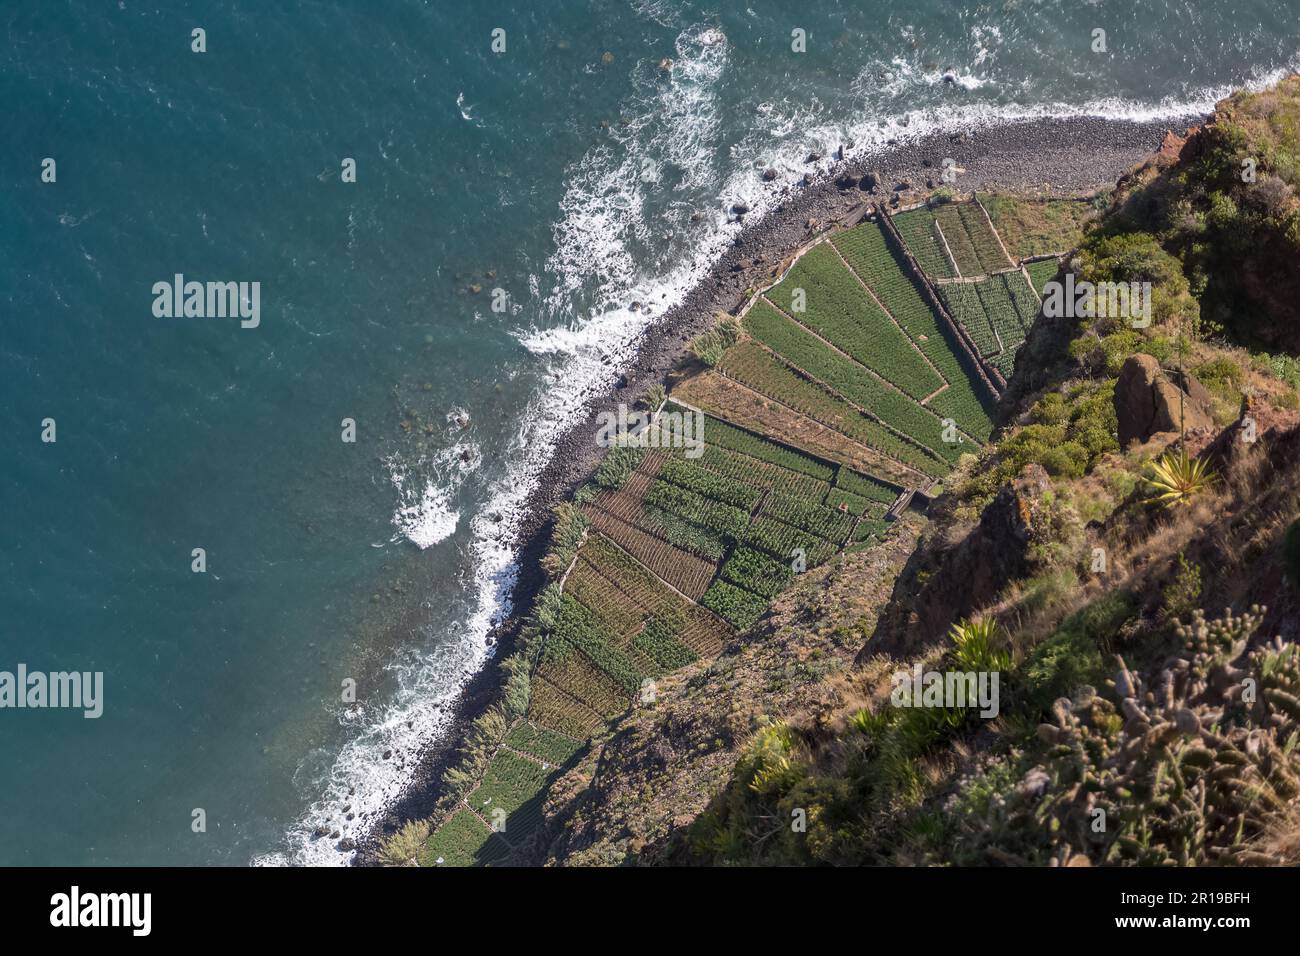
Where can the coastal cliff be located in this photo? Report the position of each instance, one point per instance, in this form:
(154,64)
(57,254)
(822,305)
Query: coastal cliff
(1099,508)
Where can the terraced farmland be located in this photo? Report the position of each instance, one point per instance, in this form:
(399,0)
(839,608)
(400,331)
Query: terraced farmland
(990,298)
(966,306)
(849,380)
(1042,272)
(541,744)
(763,372)
(839,310)
(510,795)
(464,840)
(997,312)
(848,390)
(868,253)
(1032,227)
(640,598)
(918,229)
(965,233)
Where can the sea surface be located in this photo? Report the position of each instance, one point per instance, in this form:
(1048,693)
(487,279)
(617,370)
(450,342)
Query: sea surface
(563,171)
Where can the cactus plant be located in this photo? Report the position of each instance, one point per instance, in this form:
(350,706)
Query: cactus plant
(1179,766)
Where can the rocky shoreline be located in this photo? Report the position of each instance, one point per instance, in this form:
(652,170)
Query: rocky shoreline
(1040,157)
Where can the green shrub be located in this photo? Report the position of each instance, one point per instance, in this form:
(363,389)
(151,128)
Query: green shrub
(1047,590)
(1066,460)
(709,345)
(1291,552)
(1051,409)
(566,537)
(1223,375)
(1063,662)
(1284,367)
(1139,257)
(1183,595)
(1119,347)
(403,847)
(1072,656)
(518,686)
(617,465)
(1067,432)
(654,396)
(549,601)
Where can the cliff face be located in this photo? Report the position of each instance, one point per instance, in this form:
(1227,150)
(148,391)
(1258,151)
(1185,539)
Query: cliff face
(1225,201)
(1101,607)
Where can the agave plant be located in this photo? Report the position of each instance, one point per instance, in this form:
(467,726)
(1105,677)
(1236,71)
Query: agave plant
(974,646)
(1177,478)
(770,763)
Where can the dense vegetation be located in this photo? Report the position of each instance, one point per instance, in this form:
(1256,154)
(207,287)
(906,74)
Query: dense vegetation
(1073,567)
(1135,727)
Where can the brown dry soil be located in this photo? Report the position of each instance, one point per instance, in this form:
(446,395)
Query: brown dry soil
(718,395)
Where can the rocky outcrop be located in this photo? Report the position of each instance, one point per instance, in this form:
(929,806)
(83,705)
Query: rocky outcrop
(1147,403)
(968,575)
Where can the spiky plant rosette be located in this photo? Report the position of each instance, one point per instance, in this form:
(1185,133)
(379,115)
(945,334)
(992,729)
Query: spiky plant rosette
(1176,478)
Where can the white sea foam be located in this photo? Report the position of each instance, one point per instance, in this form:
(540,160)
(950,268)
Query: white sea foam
(424,514)
(607,257)
(429,519)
